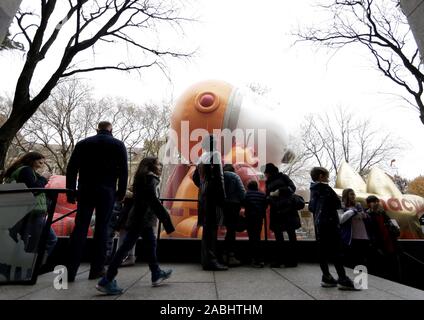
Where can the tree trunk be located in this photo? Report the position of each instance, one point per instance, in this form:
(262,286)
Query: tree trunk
(7,133)
(420,107)
(10,128)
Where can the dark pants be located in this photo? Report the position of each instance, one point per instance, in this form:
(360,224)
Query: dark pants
(254,228)
(330,249)
(231,213)
(286,252)
(211,212)
(208,251)
(101,199)
(130,240)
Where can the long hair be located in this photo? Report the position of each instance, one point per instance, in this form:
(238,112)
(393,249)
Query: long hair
(146,165)
(27,159)
(345,197)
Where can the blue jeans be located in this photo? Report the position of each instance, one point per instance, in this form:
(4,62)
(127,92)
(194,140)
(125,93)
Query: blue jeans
(130,240)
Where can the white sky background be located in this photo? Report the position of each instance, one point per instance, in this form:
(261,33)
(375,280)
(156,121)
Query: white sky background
(245,41)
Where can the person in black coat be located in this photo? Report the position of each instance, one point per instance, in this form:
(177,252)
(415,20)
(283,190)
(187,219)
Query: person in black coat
(209,178)
(279,189)
(324,204)
(100,162)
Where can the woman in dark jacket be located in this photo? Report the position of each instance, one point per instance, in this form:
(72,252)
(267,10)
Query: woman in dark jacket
(209,178)
(279,189)
(24,170)
(141,222)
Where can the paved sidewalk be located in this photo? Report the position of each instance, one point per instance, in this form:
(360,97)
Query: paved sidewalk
(190,282)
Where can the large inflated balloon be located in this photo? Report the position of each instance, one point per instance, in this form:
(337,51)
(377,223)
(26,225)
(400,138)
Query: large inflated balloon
(405,208)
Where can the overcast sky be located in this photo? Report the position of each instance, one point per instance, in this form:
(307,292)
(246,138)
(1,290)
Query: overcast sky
(245,41)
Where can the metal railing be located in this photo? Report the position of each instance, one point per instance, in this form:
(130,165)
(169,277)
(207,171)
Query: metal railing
(53,195)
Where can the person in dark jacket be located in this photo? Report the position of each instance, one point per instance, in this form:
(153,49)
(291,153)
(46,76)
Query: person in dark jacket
(386,259)
(279,189)
(356,230)
(209,178)
(255,204)
(324,204)
(234,191)
(142,220)
(24,170)
(100,162)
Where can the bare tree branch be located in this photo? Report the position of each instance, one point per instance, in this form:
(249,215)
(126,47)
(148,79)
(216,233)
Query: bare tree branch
(128,22)
(381,28)
(350,139)
(120,67)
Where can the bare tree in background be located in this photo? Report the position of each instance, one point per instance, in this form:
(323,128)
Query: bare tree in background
(401,183)
(68,115)
(71,114)
(133,23)
(331,138)
(382,29)
(19,144)
(142,128)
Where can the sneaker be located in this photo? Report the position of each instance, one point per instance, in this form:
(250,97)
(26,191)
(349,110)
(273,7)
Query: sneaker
(128,261)
(158,278)
(108,287)
(346,284)
(258,264)
(328,281)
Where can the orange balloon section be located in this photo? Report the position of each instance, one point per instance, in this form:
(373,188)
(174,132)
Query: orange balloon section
(202,106)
